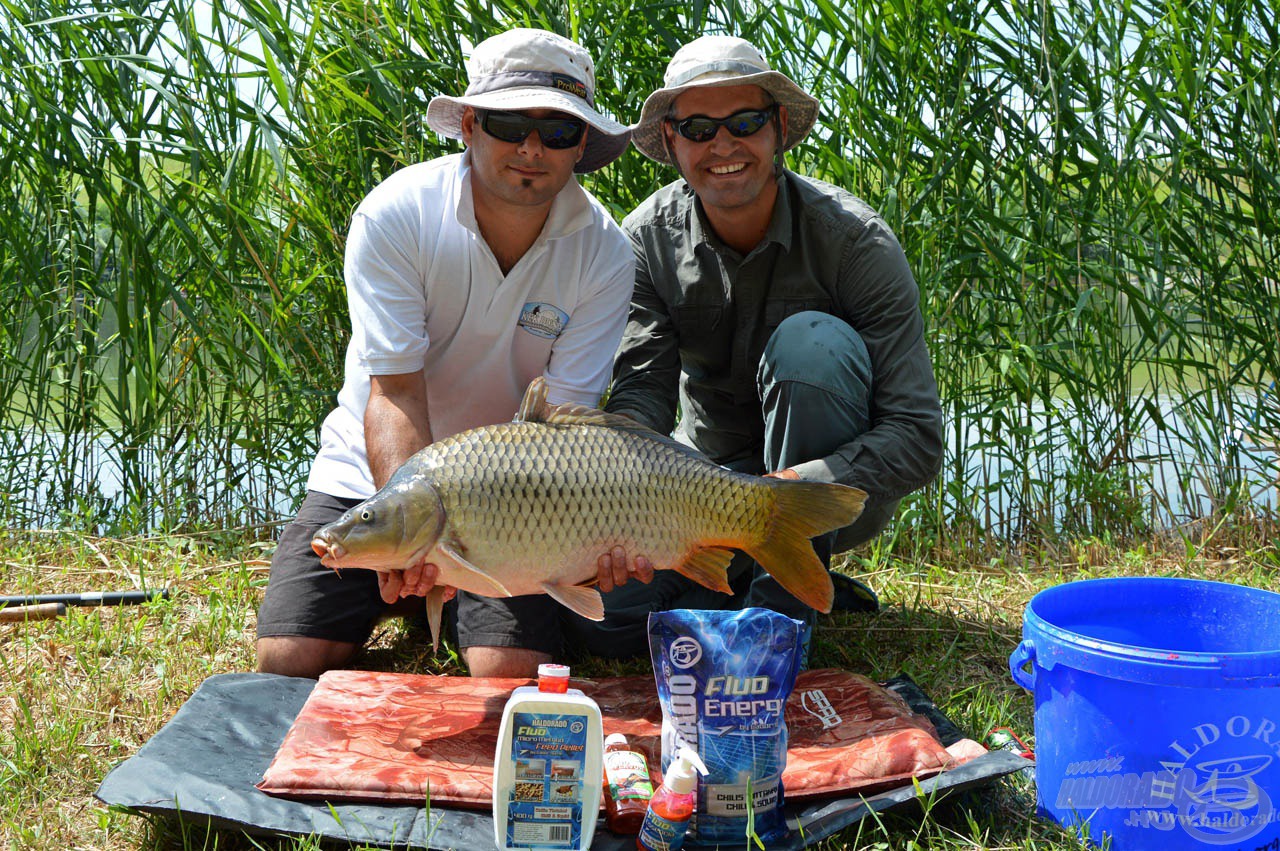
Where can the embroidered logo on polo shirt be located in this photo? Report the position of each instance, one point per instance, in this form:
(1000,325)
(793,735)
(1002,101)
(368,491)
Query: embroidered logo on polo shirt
(543,320)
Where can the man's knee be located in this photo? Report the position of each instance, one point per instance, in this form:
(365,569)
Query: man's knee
(510,662)
(300,656)
(817,348)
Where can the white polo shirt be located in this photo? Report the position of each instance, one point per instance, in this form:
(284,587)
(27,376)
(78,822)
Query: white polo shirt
(425,291)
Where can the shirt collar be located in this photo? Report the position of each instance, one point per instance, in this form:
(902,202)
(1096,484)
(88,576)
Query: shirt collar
(570,209)
(780,224)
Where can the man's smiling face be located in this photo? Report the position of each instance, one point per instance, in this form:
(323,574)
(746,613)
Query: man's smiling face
(726,172)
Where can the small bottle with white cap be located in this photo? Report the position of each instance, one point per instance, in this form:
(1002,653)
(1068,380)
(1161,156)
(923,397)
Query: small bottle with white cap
(547,768)
(672,805)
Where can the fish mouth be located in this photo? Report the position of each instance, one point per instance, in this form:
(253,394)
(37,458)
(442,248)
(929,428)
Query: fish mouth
(330,552)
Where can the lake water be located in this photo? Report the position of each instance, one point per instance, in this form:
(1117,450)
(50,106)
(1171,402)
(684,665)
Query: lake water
(1181,476)
(1183,467)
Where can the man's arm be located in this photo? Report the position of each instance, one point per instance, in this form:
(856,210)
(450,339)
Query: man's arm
(397,424)
(646,371)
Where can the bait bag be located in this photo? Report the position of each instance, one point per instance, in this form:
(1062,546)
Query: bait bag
(723,680)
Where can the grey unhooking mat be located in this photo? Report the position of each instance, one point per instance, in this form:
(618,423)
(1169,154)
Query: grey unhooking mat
(202,767)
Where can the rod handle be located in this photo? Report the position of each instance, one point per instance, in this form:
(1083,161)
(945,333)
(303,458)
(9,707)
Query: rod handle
(41,612)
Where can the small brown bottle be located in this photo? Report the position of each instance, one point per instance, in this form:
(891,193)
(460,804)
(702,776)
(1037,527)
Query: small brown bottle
(627,787)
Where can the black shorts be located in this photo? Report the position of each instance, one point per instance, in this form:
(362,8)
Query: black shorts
(538,622)
(305,598)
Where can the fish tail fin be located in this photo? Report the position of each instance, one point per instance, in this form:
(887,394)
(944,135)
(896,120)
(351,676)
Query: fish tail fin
(815,508)
(803,510)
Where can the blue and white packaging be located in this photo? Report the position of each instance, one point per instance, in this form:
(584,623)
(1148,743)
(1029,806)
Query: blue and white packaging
(723,680)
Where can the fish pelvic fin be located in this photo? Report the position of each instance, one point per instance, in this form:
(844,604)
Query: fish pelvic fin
(708,566)
(803,510)
(435,611)
(583,600)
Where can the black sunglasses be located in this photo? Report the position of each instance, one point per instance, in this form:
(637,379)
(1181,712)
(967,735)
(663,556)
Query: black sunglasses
(514,127)
(702,128)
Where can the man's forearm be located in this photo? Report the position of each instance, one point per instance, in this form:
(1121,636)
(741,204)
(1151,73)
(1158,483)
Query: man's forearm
(396,422)
(646,379)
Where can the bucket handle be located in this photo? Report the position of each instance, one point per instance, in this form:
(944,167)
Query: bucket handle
(1023,654)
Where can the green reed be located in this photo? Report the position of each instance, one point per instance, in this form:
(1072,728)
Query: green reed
(1087,192)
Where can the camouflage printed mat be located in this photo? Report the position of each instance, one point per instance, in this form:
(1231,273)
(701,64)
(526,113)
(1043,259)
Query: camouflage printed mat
(205,764)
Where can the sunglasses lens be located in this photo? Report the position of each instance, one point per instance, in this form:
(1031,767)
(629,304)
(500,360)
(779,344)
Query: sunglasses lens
(506,126)
(555,133)
(745,123)
(700,128)
(559,132)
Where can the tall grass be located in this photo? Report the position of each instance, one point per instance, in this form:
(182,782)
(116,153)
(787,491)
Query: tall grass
(1087,192)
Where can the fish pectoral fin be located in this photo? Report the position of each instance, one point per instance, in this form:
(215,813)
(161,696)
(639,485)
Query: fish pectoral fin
(435,611)
(582,600)
(491,586)
(708,567)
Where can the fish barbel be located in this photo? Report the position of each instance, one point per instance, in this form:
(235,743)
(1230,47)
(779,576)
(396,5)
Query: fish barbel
(528,507)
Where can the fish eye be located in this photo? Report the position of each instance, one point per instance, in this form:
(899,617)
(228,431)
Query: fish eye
(366,515)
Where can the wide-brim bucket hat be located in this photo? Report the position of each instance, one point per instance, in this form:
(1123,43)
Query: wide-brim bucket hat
(533,69)
(721,60)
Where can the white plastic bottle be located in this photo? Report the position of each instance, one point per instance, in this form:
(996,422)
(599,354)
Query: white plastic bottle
(547,769)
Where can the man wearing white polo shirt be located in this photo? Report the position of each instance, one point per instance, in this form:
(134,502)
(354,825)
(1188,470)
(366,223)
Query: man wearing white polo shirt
(467,276)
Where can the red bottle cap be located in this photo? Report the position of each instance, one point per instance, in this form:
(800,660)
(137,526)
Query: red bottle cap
(553,678)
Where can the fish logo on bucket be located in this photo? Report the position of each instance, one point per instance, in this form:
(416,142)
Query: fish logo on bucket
(1206,787)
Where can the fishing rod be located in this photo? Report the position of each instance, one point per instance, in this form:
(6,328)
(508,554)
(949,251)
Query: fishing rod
(42,612)
(87,598)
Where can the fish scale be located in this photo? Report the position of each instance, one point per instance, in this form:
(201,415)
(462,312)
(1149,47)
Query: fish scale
(528,507)
(516,478)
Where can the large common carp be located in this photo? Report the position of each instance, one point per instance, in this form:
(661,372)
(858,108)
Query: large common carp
(528,507)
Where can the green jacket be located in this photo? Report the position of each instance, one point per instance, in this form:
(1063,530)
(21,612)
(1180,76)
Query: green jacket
(701,315)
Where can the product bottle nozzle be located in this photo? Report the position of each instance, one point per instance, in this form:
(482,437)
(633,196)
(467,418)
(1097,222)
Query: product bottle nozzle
(680,777)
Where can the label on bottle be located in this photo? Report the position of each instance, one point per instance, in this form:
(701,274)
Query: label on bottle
(659,833)
(544,806)
(628,774)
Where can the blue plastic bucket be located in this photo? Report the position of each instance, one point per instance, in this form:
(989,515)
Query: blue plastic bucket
(1157,715)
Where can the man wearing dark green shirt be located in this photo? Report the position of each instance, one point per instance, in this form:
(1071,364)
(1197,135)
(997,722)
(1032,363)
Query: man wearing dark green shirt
(777,314)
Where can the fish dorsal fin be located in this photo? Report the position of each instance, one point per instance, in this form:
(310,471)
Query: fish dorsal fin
(495,588)
(535,409)
(582,599)
(534,404)
(570,414)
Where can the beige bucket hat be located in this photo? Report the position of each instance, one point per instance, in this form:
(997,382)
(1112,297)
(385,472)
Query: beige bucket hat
(721,60)
(533,69)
